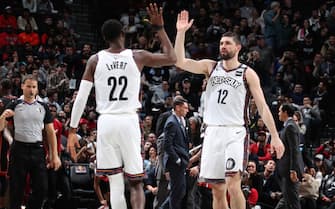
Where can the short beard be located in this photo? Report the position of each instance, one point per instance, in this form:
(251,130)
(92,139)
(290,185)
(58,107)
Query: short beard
(228,56)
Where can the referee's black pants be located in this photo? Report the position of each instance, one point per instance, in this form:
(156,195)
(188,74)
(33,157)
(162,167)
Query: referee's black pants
(27,158)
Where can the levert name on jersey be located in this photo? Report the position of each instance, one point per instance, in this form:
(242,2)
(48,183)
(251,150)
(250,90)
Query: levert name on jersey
(117,65)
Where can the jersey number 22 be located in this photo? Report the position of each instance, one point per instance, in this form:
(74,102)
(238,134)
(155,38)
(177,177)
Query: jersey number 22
(115,82)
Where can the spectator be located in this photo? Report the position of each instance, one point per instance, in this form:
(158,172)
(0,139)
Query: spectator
(298,119)
(260,151)
(307,49)
(309,191)
(46,7)
(321,167)
(255,179)
(303,31)
(247,9)
(297,94)
(250,193)
(150,184)
(270,193)
(321,98)
(312,119)
(213,34)
(25,19)
(31,5)
(259,126)
(326,70)
(29,36)
(69,20)
(331,20)
(314,21)
(82,129)
(328,44)
(148,126)
(7,19)
(327,190)
(191,97)
(58,81)
(272,25)
(8,37)
(52,98)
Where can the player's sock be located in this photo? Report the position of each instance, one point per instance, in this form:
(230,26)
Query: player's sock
(117,199)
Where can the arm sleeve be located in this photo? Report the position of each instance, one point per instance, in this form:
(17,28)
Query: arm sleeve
(80,102)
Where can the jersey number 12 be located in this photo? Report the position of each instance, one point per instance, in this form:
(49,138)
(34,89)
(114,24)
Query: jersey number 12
(120,82)
(222,96)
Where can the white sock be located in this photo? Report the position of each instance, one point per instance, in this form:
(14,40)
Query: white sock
(116,184)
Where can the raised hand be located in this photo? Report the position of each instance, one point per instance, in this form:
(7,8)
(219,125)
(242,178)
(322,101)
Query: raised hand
(155,14)
(183,23)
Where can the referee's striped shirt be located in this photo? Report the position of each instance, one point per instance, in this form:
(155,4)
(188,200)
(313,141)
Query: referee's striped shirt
(29,120)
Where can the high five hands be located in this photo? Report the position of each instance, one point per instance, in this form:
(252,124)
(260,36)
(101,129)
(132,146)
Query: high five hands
(155,14)
(183,23)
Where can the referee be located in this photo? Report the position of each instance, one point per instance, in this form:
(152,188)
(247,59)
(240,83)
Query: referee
(29,117)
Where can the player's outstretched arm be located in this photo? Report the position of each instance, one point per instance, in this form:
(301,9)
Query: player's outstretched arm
(168,55)
(199,67)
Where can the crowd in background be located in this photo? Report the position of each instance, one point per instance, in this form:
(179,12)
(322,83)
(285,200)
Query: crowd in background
(292,50)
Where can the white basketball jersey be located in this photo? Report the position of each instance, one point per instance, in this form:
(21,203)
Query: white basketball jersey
(227,97)
(117,83)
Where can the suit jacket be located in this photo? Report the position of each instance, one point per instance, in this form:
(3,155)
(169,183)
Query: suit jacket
(175,143)
(292,158)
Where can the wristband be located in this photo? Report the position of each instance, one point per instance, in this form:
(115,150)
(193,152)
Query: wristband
(156,28)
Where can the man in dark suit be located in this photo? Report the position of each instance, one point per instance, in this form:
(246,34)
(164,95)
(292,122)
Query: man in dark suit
(290,166)
(176,156)
(162,182)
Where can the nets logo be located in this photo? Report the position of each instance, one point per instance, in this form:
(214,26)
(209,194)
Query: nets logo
(230,164)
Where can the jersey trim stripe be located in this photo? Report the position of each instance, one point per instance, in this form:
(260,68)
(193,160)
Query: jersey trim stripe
(247,98)
(246,150)
(109,171)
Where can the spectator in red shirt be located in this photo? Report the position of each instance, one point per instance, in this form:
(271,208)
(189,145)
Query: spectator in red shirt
(8,37)
(260,151)
(29,36)
(8,19)
(92,120)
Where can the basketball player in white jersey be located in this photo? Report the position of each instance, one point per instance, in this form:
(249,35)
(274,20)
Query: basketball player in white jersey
(115,73)
(229,87)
